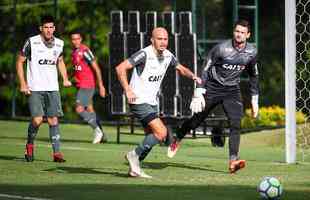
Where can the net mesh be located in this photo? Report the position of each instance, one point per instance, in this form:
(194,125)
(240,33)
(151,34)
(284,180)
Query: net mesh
(303,75)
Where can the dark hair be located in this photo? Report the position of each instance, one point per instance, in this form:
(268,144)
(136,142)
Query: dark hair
(47,19)
(244,23)
(76,31)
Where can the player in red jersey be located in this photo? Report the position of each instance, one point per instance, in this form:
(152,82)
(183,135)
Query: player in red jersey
(87,73)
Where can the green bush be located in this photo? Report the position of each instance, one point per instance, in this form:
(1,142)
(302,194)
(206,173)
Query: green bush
(269,116)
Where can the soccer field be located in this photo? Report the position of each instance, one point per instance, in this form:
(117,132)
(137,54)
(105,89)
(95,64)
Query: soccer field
(199,171)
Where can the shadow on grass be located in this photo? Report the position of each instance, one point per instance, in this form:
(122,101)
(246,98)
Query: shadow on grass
(84,170)
(162,165)
(20,158)
(67,140)
(142,190)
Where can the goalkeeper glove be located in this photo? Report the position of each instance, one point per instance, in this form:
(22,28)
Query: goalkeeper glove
(254,104)
(198,101)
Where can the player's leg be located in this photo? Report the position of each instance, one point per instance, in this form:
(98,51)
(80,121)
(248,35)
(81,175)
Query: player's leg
(148,116)
(189,125)
(147,131)
(35,103)
(234,110)
(53,111)
(84,100)
(99,135)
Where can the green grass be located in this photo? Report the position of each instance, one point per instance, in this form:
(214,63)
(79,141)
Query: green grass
(199,171)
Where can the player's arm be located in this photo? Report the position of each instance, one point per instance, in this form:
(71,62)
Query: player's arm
(20,74)
(63,71)
(198,101)
(90,58)
(209,60)
(21,58)
(184,71)
(121,71)
(252,70)
(97,70)
(138,58)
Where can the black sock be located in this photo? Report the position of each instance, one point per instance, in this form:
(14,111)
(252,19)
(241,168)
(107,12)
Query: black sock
(234,143)
(32,132)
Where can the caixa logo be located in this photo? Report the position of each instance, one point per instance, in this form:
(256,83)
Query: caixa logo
(155,78)
(47,62)
(233,67)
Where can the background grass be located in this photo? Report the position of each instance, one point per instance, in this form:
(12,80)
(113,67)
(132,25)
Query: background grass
(199,171)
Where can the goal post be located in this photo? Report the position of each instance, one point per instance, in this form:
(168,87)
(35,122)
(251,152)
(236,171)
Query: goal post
(290,80)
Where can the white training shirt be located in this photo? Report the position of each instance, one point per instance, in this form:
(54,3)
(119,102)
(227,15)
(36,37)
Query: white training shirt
(148,73)
(42,73)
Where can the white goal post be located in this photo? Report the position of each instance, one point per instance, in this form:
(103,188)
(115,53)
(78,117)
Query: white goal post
(290,80)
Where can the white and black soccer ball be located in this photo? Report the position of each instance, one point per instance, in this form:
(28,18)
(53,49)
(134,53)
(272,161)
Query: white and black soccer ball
(270,188)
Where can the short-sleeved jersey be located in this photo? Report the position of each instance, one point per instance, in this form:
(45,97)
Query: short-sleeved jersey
(42,59)
(223,67)
(82,59)
(148,73)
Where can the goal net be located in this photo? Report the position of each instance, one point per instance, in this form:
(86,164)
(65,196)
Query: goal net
(303,75)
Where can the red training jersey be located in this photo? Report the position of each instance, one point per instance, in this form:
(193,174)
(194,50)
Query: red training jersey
(84,75)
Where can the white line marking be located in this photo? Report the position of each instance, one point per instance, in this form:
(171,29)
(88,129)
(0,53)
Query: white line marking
(21,197)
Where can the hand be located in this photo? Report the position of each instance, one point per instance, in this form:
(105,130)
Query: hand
(102,92)
(255,107)
(25,89)
(197,79)
(67,83)
(131,96)
(198,101)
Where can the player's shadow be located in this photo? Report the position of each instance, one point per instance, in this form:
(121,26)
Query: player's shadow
(2,157)
(84,170)
(64,140)
(162,165)
(19,159)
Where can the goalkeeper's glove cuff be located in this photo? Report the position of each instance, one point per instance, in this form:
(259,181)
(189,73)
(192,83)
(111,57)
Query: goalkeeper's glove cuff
(199,91)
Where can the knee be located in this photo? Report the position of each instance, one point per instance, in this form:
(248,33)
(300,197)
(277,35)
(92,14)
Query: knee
(37,121)
(52,121)
(161,134)
(79,109)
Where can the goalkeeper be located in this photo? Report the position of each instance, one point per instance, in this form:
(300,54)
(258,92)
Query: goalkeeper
(220,85)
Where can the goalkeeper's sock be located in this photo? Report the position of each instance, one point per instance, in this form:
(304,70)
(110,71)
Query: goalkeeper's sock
(32,132)
(234,143)
(146,146)
(90,118)
(55,137)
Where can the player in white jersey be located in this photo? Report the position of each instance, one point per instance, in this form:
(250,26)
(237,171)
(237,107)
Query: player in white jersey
(149,67)
(43,53)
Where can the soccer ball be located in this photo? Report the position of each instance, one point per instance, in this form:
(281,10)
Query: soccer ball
(270,188)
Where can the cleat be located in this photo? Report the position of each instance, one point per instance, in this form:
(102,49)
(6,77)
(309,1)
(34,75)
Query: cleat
(235,165)
(29,152)
(134,163)
(144,175)
(173,148)
(98,136)
(58,157)
(136,175)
